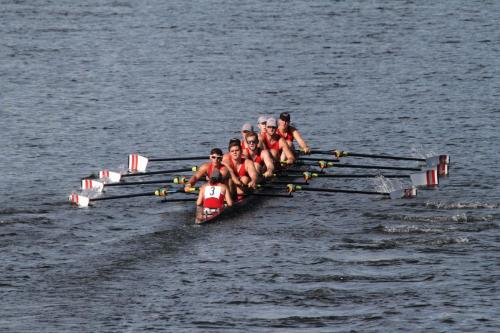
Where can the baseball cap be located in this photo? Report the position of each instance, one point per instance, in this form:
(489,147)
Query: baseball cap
(247,127)
(285,116)
(271,122)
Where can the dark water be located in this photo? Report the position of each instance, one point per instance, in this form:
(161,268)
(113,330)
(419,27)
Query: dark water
(83,84)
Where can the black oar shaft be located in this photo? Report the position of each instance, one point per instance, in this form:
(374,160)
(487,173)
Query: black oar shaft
(124,196)
(160,172)
(318,159)
(332,190)
(188,158)
(180,200)
(382,156)
(323,175)
(164,181)
(387,157)
(379,167)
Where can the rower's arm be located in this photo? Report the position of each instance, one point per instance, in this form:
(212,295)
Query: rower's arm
(301,142)
(250,167)
(199,201)
(233,176)
(201,171)
(227,196)
(290,157)
(268,161)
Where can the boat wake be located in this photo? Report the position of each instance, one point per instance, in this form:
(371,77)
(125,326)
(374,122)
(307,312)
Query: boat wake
(461,205)
(460,218)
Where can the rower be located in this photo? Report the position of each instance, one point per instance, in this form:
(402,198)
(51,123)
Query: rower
(242,171)
(262,159)
(247,128)
(261,122)
(290,133)
(276,144)
(212,195)
(206,169)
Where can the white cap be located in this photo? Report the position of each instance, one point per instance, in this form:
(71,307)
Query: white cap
(247,127)
(262,119)
(271,122)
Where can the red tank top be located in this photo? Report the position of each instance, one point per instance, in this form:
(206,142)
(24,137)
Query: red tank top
(267,143)
(213,196)
(242,171)
(211,167)
(256,158)
(288,136)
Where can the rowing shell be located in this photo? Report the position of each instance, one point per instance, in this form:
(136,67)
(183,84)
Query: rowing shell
(203,217)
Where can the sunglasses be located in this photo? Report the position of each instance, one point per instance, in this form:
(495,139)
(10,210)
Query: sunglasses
(272,127)
(216,157)
(263,123)
(252,142)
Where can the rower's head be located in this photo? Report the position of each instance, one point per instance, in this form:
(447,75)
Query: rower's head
(247,128)
(271,126)
(284,120)
(252,140)
(234,148)
(215,176)
(262,123)
(216,155)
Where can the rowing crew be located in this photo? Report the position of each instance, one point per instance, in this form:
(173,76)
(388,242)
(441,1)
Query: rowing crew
(248,162)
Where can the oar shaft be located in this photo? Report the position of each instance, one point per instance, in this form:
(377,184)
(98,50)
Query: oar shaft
(164,181)
(160,172)
(381,156)
(387,157)
(188,158)
(124,196)
(331,190)
(322,175)
(379,167)
(180,200)
(318,159)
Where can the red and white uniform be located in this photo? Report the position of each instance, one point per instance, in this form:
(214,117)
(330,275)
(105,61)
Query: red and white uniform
(213,197)
(256,157)
(241,171)
(210,169)
(288,136)
(267,143)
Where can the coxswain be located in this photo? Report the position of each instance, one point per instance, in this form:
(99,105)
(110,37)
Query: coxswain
(276,144)
(262,159)
(242,170)
(290,133)
(213,195)
(206,169)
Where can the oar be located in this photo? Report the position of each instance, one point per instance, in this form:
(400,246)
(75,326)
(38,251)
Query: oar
(343,153)
(402,193)
(317,159)
(323,165)
(171,159)
(161,172)
(98,186)
(83,201)
(433,160)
